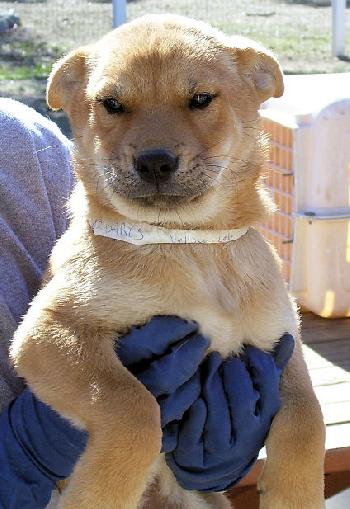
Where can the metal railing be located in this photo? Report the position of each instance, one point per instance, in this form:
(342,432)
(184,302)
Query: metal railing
(119,12)
(338,22)
(338,27)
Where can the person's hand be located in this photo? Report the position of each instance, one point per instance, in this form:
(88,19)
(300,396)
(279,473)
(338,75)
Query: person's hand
(38,447)
(165,355)
(220,437)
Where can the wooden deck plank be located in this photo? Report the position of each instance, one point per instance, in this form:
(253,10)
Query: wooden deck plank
(337,413)
(316,329)
(329,375)
(339,329)
(338,437)
(327,353)
(333,349)
(322,370)
(341,363)
(335,393)
(316,359)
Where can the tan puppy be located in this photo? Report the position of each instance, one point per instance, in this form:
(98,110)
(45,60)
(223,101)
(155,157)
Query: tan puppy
(165,115)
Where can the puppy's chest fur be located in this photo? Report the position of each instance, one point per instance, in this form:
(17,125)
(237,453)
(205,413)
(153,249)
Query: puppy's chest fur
(234,291)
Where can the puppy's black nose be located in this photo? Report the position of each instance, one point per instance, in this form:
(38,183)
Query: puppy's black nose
(156,165)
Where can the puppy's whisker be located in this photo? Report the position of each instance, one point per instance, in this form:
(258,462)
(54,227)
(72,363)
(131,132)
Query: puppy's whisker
(215,157)
(211,147)
(181,221)
(221,166)
(210,177)
(97,183)
(158,218)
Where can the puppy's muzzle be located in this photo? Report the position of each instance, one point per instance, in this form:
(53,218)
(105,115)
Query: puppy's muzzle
(156,165)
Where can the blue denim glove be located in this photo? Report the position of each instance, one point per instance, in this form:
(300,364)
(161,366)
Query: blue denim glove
(39,448)
(220,437)
(164,355)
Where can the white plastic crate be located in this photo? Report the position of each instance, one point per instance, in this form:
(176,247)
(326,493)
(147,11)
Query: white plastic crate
(309,178)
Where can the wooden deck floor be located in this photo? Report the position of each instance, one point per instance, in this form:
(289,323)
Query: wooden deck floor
(327,352)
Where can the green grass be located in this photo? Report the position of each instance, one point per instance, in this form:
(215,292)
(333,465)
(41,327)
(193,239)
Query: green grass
(25,72)
(24,57)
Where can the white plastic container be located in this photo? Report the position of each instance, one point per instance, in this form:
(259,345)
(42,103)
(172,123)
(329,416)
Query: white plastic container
(310,163)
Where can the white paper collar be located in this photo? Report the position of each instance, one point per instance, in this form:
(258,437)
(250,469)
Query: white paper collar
(141,234)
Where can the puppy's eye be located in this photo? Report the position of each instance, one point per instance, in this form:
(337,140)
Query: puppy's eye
(113,106)
(200,101)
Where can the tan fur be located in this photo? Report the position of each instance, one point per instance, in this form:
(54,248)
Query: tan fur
(99,286)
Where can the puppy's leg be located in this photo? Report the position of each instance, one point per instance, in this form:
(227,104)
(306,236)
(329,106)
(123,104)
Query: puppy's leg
(165,493)
(293,473)
(188,500)
(74,369)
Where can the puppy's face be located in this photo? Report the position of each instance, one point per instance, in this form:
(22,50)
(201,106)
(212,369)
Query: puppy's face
(164,111)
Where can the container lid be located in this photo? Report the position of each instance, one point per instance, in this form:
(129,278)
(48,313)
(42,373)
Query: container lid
(305,96)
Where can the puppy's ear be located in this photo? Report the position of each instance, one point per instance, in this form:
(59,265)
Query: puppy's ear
(259,66)
(67,76)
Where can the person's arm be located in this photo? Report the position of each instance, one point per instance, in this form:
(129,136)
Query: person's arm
(37,449)
(35,182)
